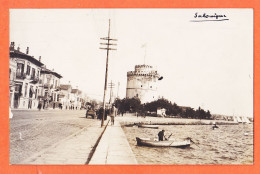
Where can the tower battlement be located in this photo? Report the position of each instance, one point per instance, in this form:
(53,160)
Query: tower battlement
(134,73)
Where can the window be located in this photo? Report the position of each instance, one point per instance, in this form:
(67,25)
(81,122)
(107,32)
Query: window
(25,92)
(33,73)
(20,69)
(141,85)
(18,88)
(36,92)
(28,70)
(48,80)
(55,83)
(31,91)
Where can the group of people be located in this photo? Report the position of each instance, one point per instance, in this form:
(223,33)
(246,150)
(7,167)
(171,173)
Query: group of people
(111,112)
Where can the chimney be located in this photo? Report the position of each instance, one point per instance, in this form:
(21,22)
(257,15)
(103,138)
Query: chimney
(40,58)
(27,50)
(12,46)
(18,48)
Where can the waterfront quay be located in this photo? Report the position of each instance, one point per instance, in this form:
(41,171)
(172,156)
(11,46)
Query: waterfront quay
(66,137)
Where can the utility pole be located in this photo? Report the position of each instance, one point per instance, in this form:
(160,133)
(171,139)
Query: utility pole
(108,39)
(118,88)
(111,86)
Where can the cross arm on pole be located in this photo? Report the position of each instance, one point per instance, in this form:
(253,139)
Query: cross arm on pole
(106,38)
(108,48)
(107,44)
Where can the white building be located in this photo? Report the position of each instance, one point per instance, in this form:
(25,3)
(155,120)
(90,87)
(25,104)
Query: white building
(49,88)
(12,78)
(142,83)
(26,81)
(65,96)
(76,98)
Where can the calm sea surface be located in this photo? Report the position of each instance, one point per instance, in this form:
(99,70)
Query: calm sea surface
(226,145)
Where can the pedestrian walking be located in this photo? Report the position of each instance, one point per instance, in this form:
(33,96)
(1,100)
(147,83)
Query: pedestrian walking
(40,106)
(113,114)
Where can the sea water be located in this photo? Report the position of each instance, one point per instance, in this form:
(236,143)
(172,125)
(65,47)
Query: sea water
(229,144)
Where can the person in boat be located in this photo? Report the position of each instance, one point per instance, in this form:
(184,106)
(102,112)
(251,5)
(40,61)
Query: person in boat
(161,136)
(214,126)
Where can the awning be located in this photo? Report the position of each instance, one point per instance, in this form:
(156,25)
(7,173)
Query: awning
(32,90)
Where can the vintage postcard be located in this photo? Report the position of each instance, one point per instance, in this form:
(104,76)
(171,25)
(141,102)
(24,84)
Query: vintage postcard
(141,87)
(131,87)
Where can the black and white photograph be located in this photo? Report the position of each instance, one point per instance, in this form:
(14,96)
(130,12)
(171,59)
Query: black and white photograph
(131,86)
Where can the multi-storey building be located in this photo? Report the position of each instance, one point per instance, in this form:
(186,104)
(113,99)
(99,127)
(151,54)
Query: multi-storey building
(12,78)
(65,96)
(142,83)
(26,81)
(49,88)
(76,98)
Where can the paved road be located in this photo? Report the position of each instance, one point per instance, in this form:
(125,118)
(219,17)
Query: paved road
(34,131)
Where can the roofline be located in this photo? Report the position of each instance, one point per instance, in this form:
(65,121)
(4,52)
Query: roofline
(18,54)
(51,72)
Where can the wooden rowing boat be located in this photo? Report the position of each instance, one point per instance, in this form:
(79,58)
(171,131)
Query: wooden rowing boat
(167,143)
(148,126)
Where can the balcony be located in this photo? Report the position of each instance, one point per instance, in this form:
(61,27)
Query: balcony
(34,79)
(48,86)
(20,76)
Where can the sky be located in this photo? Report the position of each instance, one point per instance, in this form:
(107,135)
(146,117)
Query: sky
(206,64)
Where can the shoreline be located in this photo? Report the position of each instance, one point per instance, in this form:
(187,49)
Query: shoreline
(131,120)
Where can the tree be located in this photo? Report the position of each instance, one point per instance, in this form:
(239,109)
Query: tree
(128,104)
(134,105)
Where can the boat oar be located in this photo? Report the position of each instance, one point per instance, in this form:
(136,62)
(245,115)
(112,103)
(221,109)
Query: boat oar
(192,141)
(169,137)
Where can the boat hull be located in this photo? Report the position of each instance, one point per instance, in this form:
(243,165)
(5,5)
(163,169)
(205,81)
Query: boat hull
(171,143)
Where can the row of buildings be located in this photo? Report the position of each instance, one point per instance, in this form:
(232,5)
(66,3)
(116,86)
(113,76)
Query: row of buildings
(32,85)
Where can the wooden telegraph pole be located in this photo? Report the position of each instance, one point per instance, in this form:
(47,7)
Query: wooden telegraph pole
(108,44)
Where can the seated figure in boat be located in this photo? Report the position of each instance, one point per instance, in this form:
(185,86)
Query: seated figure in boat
(214,126)
(161,136)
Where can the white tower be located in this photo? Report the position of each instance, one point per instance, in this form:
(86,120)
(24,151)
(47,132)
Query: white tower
(142,83)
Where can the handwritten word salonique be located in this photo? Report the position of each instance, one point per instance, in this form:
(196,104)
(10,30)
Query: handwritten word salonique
(214,16)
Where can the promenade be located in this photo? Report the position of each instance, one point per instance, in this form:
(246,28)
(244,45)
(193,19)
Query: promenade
(113,148)
(75,149)
(66,138)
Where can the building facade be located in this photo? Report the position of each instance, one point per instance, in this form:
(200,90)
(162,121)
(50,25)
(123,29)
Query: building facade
(33,86)
(76,98)
(24,80)
(12,78)
(49,88)
(142,83)
(65,97)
